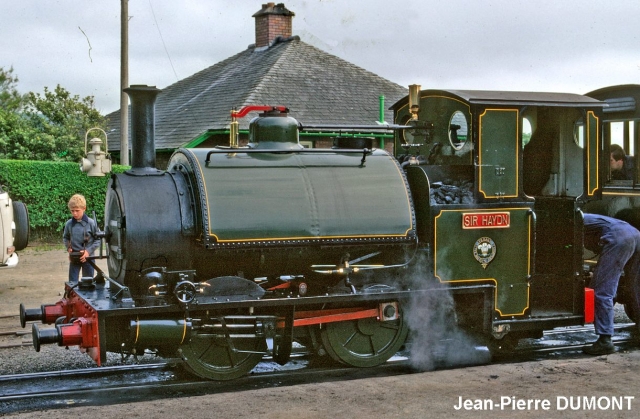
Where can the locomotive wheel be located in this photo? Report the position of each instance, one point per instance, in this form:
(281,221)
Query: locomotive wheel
(214,359)
(364,342)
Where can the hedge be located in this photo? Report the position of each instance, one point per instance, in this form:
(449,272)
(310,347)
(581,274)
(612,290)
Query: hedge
(45,188)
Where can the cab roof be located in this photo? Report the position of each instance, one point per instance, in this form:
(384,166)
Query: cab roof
(513,98)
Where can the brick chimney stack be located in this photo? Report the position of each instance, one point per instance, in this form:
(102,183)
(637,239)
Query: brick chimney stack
(272,20)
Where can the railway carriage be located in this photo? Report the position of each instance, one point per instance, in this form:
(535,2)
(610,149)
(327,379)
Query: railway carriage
(236,252)
(621,126)
(620,194)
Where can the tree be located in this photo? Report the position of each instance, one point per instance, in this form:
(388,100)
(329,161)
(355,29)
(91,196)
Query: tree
(10,99)
(11,105)
(49,126)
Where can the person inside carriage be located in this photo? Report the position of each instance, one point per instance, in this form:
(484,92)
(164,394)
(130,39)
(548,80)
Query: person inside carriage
(622,166)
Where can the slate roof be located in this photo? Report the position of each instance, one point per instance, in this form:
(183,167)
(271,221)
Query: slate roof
(317,87)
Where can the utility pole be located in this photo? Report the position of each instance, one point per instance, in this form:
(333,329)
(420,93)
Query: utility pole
(124,82)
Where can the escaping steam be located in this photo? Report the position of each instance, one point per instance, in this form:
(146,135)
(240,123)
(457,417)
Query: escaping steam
(435,340)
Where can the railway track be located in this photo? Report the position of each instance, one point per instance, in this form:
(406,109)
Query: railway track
(51,383)
(565,341)
(106,385)
(149,382)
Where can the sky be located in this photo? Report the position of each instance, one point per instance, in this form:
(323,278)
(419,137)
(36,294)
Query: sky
(573,46)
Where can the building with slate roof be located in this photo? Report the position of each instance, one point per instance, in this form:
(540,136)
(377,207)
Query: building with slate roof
(279,69)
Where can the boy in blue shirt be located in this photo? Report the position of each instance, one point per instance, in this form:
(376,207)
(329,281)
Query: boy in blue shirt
(80,238)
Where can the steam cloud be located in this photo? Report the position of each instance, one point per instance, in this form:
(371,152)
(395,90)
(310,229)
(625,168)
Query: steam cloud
(435,340)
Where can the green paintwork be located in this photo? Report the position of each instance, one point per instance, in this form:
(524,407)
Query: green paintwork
(454,261)
(498,156)
(365,342)
(491,160)
(256,197)
(216,358)
(148,333)
(437,110)
(275,131)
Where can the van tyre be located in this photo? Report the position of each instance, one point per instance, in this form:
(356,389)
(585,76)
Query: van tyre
(21,219)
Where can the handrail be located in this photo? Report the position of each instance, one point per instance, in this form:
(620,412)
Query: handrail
(364,151)
(531,213)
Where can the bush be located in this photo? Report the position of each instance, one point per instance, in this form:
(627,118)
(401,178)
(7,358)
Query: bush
(45,187)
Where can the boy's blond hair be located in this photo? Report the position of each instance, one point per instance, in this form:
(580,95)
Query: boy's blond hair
(77,201)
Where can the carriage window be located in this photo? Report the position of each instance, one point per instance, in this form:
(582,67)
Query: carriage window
(526,131)
(458,130)
(621,146)
(578,134)
(621,133)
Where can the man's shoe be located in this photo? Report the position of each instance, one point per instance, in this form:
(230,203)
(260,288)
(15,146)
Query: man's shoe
(602,346)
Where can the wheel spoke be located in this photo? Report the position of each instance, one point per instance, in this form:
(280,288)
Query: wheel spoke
(365,342)
(374,351)
(349,339)
(215,358)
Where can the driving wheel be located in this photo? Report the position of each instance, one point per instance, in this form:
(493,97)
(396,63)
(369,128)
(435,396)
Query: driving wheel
(218,357)
(365,342)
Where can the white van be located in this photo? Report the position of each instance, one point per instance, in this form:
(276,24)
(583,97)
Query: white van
(14,230)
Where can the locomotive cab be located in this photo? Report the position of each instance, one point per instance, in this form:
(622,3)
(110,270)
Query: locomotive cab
(500,205)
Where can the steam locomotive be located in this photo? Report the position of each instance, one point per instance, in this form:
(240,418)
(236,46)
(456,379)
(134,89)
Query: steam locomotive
(237,252)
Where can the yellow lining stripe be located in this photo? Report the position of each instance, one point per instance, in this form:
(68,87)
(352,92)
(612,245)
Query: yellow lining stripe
(591,191)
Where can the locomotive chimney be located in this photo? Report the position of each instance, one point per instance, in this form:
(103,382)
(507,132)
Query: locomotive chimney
(272,21)
(143,148)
